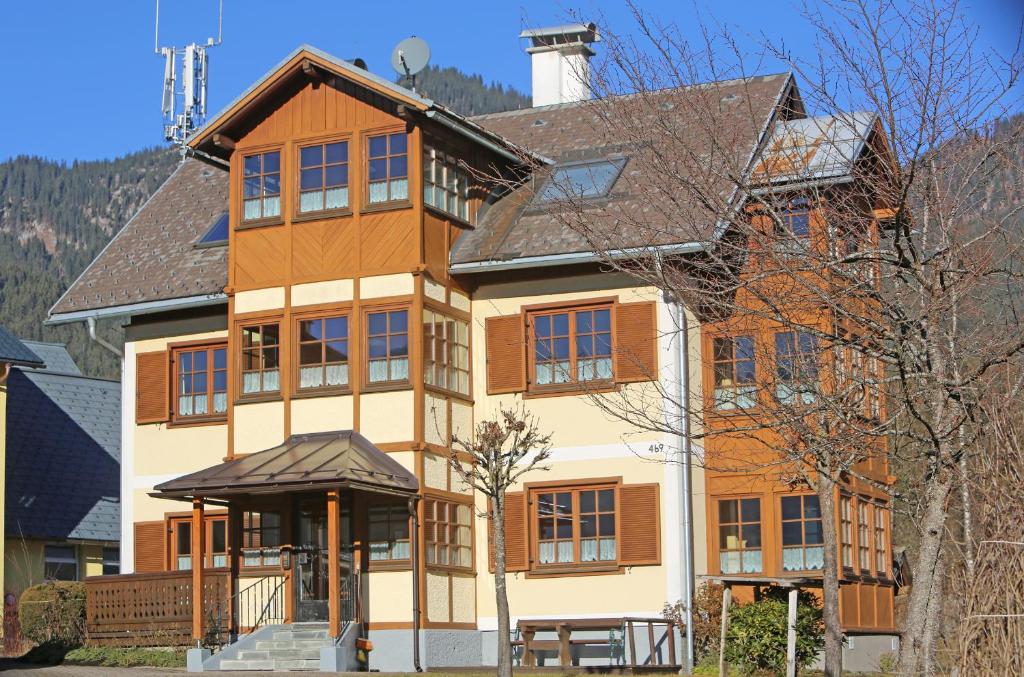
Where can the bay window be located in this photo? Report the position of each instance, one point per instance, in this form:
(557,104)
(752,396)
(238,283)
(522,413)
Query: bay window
(796,367)
(261,186)
(863,536)
(323,353)
(261,359)
(389,532)
(445,186)
(448,533)
(387,168)
(323,177)
(734,373)
(387,346)
(445,352)
(802,539)
(739,536)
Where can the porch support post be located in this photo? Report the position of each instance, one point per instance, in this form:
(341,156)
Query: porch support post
(198,555)
(791,633)
(333,562)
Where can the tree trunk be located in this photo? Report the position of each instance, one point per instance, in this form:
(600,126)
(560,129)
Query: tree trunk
(933,624)
(926,587)
(833,660)
(501,594)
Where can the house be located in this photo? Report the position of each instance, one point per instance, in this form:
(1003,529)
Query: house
(326,290)
(62,472)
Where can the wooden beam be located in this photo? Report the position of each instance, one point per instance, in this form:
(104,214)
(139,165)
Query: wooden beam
(723,668)
(225,142)
(197,568)
(333,562)
(313,73)
(791,634)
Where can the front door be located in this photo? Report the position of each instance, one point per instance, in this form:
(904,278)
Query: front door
(310,560)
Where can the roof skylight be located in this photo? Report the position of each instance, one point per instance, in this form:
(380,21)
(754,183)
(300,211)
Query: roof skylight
(583,180)
(217,234)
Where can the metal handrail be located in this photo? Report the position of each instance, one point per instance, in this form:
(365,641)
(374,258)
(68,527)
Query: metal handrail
(269,593)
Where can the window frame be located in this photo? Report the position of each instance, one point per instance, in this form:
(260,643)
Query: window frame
(540,201)
(431,524)
(785,213)
(798,363)
(880,539)
(803,532)
(297,390)
(712,403)
(429,340)
(175,350)
(533,490)
(390,203)
(75,554)
(846,532)
(393,521)
(865,532)
(260,395)
(176,522)
(435,158)
(241,222)
(717,533)
(299,145)
(532,312)
(246,532)
(364,342)
(110,561)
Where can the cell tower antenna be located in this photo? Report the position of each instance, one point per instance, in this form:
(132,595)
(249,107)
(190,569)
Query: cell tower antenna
(191,93)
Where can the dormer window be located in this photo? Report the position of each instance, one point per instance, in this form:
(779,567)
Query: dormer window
(261,186)
(323,177)
(217,234)
(445,186)
(388,168)
(582,180)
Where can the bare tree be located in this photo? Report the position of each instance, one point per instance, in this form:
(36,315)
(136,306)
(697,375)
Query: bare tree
(868,244)
(500,453)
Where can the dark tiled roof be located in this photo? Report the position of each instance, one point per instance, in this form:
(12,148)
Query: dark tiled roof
(13,351)
(589,130)
(63,456)
(56,357)
(153,258)
(338,458)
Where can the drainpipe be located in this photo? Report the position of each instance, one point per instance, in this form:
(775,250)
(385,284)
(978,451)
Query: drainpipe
(415,544)
(685,477)
(91,321)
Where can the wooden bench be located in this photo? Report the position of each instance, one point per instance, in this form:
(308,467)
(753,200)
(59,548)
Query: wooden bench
(564,628)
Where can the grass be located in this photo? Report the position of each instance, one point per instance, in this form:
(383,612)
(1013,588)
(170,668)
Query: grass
(122,657)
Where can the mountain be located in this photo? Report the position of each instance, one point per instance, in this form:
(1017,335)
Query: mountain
(55,217)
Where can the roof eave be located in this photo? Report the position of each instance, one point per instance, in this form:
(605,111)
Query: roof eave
(132,309)
(549,260)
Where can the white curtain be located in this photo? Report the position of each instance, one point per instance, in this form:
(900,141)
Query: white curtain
(814,557)
(220,403)
(252,209)
(399,189)
(793,559)
(311,377)
(378,370)
(200,405)
(752,563)
(336,198)
(251,382)
(400,550)
(337,374)
(597,369)
(271,380)
(311,201)
(185,405)
(272,206)
(546,553)
(379,191)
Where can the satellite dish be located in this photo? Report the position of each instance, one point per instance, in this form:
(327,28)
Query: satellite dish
(410,56)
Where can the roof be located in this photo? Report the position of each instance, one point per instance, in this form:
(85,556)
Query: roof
(813,149)
(569,133)
(154,257)
(341,458)
(56,356)
(63,455)
(13,351)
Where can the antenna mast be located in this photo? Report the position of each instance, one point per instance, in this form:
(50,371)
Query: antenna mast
(191,93)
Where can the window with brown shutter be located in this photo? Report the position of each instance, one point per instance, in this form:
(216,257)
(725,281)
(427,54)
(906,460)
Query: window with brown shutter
(149,546)
(506,355)
(636,345)
(151,387)
(516,534)
(640,542)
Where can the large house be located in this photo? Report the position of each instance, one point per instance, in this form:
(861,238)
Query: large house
(326,290)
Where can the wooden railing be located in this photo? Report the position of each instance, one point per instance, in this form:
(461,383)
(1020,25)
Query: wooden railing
(152,609)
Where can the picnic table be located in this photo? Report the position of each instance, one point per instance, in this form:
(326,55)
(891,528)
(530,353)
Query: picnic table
(564,629)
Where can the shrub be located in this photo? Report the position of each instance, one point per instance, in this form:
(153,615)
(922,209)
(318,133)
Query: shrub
(54,613)
(707,619)
(756,640)
(122,657)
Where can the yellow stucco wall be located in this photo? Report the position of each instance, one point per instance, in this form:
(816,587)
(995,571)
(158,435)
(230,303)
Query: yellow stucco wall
(258,426)
(437,598)
(270,298)
(24,562)
(389,595)
(322,414)
(387,417)
(378,286)
(331,291)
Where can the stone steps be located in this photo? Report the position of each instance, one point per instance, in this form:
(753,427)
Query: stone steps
(294,648)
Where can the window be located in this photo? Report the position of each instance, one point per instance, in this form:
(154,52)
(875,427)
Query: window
(261,539)
(217,233)
(846,530)
(388,346)
(388,168)
(796,367)
(881,563)
(389,532)
(323,352)
(445,186)
(218,540)
(215,543)
(202,382)
(261,181)
(588,180)
(323,177)
(863,536)
(183,545)
(794,219)
(448,533)
(260,359)
(734,373)
(111,561)
(739,535)
(572,346)
(445,352)
(576,526)
(802,539)
(872,385)
(60,563)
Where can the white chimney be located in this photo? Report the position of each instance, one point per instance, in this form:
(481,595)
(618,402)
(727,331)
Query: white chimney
(561,62)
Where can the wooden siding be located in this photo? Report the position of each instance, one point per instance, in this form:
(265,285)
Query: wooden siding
(639,524)
(152,374)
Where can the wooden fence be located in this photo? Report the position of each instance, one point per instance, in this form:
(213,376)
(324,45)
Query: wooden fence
(153,609)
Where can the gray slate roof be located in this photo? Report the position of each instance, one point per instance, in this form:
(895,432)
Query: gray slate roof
(14,351)
(56,357)
(63,454)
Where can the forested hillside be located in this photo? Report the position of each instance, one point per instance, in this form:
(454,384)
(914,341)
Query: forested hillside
(55,218)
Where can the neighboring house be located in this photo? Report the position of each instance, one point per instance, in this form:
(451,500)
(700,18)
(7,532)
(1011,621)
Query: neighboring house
(62,505)
(323,293)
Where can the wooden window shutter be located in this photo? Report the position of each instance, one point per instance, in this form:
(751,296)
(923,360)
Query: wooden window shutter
(150,538)
(517,553)
(152,373)
(506,354)
(639,524)
(636,345)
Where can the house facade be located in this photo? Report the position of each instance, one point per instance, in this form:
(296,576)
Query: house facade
(326,292)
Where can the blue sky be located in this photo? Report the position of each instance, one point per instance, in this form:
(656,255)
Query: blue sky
(79,80)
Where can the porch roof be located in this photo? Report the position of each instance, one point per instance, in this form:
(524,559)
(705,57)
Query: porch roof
(339,459)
